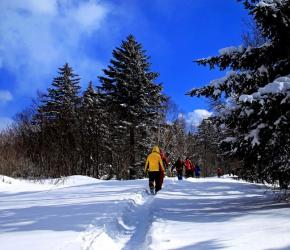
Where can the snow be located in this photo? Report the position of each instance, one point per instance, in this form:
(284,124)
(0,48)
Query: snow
(280,86)
(254,134)
(246,98)
(273,4)
(229,139)
(220,81)
(85,213)
(230,50)
(263,70)
(249,112)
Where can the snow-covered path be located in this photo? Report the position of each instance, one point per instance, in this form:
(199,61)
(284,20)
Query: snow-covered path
(219,214)
(85,213)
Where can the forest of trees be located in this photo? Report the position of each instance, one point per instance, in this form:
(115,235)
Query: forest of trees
(104,132)
(107,131)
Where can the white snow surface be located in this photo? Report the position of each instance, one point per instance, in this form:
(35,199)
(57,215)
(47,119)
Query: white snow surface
(84,213)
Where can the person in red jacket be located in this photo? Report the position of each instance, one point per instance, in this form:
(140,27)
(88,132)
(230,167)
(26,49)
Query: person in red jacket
(219,172)
(178,165)
(165,164)
(189,168)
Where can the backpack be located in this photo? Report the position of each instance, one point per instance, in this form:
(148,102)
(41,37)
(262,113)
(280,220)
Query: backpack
(188,165)
(178,165)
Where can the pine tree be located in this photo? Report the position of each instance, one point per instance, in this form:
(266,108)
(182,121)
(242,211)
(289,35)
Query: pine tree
(94,130)
(206,140)
(62,99)
(57,118)
(256,111)
(134,102)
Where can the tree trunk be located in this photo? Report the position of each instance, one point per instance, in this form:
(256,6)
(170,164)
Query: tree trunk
(132,171)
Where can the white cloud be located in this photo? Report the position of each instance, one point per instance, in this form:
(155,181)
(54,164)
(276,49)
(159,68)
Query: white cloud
(90,15)
(181,116)
(41,35)
(5,96)
(33,6)
(5,122)
(194,118)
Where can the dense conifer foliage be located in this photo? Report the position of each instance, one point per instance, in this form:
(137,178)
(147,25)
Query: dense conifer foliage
(105,132)
(134,101)
(253,97)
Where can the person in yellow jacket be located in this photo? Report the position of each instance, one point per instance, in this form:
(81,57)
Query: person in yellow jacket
(155,168)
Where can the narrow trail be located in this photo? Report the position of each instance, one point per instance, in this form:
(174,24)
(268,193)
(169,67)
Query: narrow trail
(144,217)
(128,228)
(132,226)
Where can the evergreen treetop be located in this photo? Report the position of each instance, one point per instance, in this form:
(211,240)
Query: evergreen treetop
(63,98)
(129,84)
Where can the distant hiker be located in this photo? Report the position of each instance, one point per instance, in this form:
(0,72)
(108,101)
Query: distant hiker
(154,166)
(164,157)
(165,164)
(197,171)
(189,168)
(219,172)
(178,165)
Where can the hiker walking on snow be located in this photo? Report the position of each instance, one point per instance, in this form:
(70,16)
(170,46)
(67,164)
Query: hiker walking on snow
(189,168)
(165,165)
(155,168)
(178,165)
(219,172)
(197,171)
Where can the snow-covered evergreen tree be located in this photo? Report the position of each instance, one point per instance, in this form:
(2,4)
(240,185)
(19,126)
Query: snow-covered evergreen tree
(62,100)
(94,131)
(206,140)
(57,118)
(134,102)
(256,94)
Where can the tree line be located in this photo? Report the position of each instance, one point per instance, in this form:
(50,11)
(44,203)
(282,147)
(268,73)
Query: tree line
(104,132)
(108,130)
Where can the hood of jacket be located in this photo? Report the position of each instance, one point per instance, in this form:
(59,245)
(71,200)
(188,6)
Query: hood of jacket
(156,149)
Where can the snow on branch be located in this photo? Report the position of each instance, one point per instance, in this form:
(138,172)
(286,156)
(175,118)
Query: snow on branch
(280,86)
(239,58)
(273,4)
(230,50)
(254,134)
(233,82)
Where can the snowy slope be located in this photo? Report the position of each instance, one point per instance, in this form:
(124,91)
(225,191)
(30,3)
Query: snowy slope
(84,213)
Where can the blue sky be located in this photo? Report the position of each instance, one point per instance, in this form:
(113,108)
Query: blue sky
(38,36)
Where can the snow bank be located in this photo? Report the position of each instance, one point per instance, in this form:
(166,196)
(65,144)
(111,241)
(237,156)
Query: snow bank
(79,180)
(13,185)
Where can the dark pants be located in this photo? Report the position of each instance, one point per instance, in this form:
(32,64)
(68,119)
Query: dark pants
(179,175)
(188,173)
(154,177)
